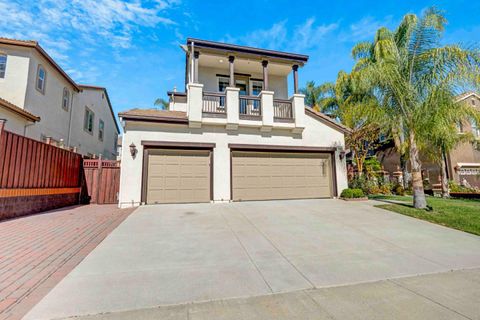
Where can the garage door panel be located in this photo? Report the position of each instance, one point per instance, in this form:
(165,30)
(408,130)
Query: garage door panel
(280,175)
(176,176)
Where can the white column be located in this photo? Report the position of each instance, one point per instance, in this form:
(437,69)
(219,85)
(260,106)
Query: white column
(221,172)
(194,104)
(232,102)
(267,110)
(298,108)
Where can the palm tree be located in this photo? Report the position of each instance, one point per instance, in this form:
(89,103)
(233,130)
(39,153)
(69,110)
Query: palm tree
(440,135)
(357,109)
(312,95)
(404,68)
(164,104)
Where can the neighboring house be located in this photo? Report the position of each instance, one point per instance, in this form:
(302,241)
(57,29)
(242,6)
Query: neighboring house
(53,105)
(463,163)
(233,135)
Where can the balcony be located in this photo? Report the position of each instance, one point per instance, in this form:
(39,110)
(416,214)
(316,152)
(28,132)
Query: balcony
(213,104)
(233,110)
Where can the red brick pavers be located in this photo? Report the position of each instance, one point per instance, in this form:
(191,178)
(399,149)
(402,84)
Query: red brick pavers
(38,251)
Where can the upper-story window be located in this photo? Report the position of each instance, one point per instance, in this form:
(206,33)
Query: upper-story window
(41,78)
(460,127)
(475,128)
(223,83)
(3,65)
(65,98)
(101,129)
(88,121)
(473,102)
(257,87)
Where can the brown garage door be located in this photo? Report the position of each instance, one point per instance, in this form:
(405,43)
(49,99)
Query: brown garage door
(176,176)
(278,175)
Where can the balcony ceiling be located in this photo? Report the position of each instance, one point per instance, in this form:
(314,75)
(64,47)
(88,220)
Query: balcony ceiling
(244,65)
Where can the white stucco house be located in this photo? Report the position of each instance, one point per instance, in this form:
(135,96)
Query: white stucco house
(39,100)
(233,135)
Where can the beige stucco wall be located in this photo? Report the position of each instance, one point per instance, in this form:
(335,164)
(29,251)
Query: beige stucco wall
(316,134)
(208,77)
(15,123)
(13,86)
(48,106)
(86,142)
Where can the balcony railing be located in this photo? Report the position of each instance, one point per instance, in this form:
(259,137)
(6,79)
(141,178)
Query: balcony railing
(250,107)
(214,103)
(282,110)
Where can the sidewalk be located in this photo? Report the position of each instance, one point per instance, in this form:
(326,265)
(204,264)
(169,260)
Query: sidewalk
(447,296)
(38,251)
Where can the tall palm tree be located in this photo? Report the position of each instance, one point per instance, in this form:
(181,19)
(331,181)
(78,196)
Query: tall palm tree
(405,67)
(164,104)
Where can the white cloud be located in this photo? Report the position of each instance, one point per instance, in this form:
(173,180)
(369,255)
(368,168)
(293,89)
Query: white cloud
(70,28)
(113,21)
(308,35)
(304,36)
(365,28)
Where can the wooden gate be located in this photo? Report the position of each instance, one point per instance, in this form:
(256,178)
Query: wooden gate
(102,178)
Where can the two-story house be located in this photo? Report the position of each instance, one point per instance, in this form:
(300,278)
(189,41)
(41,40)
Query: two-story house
(463,163)
(39,100)
(234,134)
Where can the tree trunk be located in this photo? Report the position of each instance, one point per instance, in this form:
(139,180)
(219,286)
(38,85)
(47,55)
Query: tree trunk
(419,200)
(403,167)
(443,175)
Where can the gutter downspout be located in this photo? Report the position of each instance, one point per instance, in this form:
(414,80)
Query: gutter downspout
(70,120)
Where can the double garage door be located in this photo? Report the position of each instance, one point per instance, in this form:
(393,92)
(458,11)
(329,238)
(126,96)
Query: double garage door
(181,176)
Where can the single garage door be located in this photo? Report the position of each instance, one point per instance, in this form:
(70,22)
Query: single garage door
(178,176)
(281,175)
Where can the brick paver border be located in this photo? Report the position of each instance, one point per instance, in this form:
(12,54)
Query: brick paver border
(38,251)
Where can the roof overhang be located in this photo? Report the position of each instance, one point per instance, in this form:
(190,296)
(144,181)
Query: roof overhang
(327,120)
(18,111)
(244,51)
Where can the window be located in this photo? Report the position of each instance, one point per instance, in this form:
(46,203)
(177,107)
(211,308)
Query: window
(3,65)
(41,78)
(223,83)
(257,87)
(473,101)
(475,128)
(88,121)
(101,127)
(65,98)
(459,127)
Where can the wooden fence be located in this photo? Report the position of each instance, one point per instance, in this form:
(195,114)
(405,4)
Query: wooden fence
(102,178)
(35,176)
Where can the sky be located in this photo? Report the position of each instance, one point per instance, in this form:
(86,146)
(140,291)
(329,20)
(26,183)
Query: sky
(131,47)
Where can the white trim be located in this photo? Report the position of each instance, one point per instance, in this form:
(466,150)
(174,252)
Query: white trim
(467,96)
(467,164)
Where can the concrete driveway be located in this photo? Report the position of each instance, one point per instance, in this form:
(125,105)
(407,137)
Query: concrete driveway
(173,254)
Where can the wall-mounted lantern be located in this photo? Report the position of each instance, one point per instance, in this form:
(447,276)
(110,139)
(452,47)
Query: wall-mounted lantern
(133,150)
(341,152)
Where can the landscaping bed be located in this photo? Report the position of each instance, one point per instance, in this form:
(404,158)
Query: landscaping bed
(460,214)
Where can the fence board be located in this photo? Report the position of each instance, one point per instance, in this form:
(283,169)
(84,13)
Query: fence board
(27,163)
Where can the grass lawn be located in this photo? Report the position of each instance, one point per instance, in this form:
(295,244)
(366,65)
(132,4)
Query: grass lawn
(454,213)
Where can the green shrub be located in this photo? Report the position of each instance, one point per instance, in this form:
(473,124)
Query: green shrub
(398,190)
(352,193)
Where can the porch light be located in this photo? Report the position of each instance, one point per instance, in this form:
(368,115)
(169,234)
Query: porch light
(133,150)
(341,152)
(221,60)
